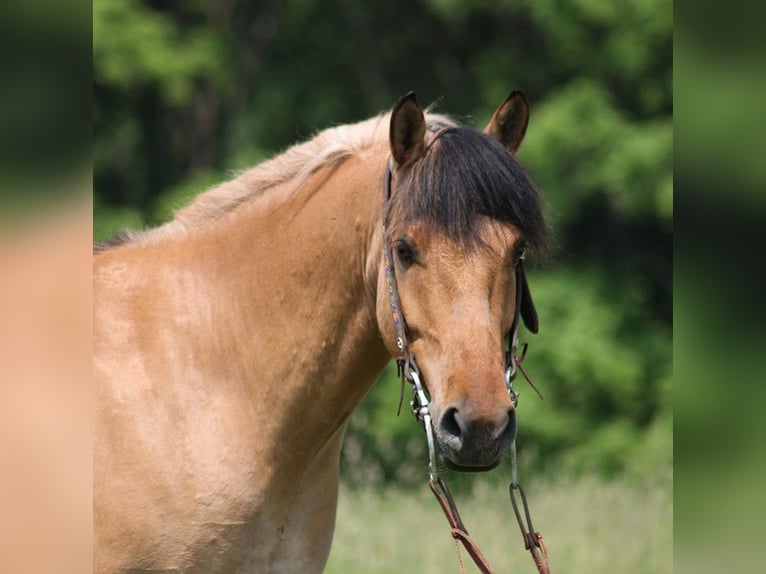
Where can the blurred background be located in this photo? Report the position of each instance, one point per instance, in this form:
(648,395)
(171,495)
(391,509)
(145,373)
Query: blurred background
(187,93)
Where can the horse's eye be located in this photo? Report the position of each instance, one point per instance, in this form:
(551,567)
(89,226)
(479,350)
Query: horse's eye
(405,252)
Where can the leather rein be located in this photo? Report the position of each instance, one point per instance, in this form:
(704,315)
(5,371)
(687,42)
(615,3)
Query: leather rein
(407,370)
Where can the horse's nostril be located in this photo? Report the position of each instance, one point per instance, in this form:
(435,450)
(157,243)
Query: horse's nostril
(506,434)
(450,423)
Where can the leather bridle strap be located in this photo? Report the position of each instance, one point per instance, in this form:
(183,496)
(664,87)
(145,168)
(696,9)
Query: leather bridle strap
(459,531)
(404,360)
(393,293)
(533,540)
(524,311)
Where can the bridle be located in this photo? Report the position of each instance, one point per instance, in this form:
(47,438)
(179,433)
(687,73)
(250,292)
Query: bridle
(407,370)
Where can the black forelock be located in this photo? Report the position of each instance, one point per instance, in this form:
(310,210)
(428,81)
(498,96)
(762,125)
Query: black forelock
(464,174)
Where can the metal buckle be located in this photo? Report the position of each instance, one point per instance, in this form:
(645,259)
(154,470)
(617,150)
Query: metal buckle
(422,413)
(510,374)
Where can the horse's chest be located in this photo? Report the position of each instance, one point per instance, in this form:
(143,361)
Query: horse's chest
(278,540)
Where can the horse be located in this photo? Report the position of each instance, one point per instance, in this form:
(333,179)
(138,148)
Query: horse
(233,343)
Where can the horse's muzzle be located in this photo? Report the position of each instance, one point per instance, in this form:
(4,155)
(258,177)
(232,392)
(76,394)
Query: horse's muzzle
(474,444)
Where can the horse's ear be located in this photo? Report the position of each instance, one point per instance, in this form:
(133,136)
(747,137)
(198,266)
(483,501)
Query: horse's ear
(407,131)
(509,122)
(527,306)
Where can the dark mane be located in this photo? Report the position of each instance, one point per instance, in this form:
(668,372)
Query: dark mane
(464,174)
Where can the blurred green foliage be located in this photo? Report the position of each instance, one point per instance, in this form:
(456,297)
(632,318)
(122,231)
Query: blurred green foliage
(187,92)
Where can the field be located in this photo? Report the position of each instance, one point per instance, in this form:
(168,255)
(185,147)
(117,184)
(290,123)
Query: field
(589,525)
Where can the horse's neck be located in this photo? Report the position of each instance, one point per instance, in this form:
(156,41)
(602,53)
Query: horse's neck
(295,281)
(230,357)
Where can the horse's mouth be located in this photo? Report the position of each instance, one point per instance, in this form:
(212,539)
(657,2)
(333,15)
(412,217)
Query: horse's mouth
(473,468)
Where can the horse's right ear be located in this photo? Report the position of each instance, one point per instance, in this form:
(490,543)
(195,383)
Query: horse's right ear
(407,131)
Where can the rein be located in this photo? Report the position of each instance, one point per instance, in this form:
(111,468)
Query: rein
(407,370)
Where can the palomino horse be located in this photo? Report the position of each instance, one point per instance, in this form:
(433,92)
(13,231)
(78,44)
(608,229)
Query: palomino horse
(233,343)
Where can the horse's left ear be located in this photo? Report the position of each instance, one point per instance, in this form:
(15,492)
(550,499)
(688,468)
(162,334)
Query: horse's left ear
(509,122)
(527,306)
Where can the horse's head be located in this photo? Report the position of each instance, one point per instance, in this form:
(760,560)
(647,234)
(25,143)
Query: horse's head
(461,213)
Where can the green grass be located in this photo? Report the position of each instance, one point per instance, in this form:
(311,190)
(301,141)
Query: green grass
(589,525)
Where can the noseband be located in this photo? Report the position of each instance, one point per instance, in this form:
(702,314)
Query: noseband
(407,370)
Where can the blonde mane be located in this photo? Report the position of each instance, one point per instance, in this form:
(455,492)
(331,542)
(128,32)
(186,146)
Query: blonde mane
(327,148)
(293,166)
